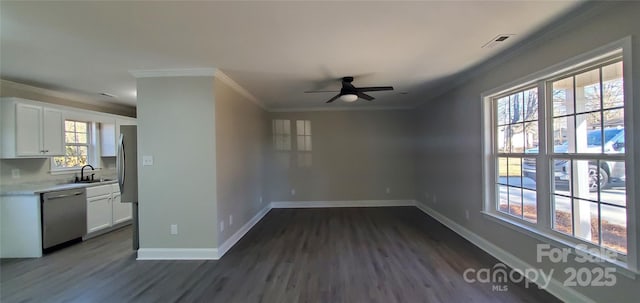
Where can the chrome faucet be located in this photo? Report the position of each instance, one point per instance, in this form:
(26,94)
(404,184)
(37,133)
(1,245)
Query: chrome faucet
(82,173)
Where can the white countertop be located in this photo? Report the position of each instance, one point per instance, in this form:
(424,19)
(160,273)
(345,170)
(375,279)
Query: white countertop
(27,189)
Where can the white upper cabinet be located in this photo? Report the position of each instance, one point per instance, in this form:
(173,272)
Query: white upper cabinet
(30,129)
(109,135)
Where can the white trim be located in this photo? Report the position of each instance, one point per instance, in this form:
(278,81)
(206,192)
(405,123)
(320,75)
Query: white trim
(231,241)
(177,254)
(350,203)
(241,90)
(177,72)
(555,287)
(333,109)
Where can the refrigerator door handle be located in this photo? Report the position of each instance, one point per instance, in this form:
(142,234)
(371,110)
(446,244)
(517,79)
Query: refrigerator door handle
(120,159)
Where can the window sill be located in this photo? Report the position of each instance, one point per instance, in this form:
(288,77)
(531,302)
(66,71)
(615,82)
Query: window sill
(621,267)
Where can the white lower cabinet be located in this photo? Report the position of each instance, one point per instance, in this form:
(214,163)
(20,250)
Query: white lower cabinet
(104,209)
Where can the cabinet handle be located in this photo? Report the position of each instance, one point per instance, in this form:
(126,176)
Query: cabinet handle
(46,150)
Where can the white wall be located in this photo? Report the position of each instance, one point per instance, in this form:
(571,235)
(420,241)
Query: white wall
(451,131)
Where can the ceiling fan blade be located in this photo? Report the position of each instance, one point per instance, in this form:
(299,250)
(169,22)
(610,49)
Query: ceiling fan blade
(365,96)
(321,91)
(374,88)
(334,98)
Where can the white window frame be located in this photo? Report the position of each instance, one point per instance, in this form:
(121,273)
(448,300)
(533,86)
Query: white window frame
(542,230)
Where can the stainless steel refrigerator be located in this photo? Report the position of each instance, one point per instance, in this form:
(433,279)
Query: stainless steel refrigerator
(127,171)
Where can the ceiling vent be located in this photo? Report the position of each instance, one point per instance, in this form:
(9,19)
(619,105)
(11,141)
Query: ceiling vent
(497,40)
(108,95)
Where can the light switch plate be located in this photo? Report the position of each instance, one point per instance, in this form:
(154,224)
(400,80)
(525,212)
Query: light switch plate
(147,160)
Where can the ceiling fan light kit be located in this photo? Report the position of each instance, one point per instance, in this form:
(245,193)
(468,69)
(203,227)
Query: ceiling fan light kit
(349,98)
(350,93)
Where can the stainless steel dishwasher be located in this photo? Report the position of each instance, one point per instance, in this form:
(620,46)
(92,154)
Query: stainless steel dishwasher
(64,216)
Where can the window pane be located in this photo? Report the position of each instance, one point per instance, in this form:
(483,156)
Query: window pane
(503,170)
(515,201)
(516,108)
(530,207)
(613,85)
(503,110)
(501,138)
(588,133)
(585,217)
(516,138)
(531,137)
(300,140)
(529,173)
(562,135)
(82,138)
(585,179)
(562,177)
(503,200)
(514,172)
(300,127)
(531,104)
(82,150)
(613,182)
(81,127)
(286,127)
(563,97)
(69,126)
(588,91)
(562,215)
(70,137)
(307,128)
(614,228)
(71,151)
(613,131)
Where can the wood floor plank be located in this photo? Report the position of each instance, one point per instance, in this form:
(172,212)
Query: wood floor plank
(395,254)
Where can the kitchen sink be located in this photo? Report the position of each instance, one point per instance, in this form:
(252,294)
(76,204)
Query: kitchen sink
(93,181)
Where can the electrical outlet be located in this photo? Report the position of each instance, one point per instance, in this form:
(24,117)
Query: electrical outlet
(388,190)
(230,220)
(293,191)
(466,214)
(147,160)
(222,226)
(15,173)
(174,229)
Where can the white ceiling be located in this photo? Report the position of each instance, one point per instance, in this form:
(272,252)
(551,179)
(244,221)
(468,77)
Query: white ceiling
(276,50)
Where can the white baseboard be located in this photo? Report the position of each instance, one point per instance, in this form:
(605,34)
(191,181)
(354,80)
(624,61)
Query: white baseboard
(555,287)
(222,249)
(349,203)
(177,254)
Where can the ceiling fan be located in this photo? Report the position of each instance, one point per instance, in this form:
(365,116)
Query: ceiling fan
(350,93)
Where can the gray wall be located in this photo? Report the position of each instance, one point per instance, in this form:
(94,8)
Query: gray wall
(241,138)
(176,125)
(356,156)
(451,131)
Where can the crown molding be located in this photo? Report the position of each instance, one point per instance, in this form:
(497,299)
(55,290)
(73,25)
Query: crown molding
(177,72)
(241,90)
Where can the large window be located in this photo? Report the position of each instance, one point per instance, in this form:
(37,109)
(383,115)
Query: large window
(76,146)
(558,162)
(303,139)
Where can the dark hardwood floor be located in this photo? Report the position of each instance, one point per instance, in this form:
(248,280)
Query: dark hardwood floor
(293,255)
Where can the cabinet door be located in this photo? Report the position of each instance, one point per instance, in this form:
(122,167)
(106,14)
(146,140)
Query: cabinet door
(108,139)
(98,213)
(53,132)
(28,130)
(121,211)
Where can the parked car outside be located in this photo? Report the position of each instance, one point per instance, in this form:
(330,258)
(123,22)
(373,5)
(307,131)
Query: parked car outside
(608,173)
